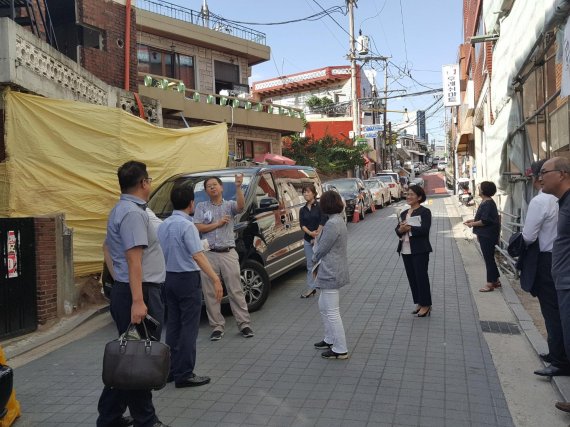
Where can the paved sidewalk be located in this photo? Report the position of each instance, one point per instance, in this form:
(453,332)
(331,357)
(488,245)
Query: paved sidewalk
(403,370)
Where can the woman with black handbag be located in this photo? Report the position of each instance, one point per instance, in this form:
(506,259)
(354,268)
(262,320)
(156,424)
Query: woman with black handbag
(414,246)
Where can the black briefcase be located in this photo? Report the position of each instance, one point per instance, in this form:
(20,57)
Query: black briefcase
(134,363)
(6,384)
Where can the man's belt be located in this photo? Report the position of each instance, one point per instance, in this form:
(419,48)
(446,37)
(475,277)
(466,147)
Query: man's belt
(150,284)
(221,249)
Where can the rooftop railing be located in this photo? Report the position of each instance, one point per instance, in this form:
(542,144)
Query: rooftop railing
(209,20)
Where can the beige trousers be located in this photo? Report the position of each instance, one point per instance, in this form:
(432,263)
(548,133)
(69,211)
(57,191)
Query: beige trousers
(226,265)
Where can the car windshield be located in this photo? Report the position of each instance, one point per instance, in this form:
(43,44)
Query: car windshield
(345,185)
(385,178)
(372,184)
(160,202)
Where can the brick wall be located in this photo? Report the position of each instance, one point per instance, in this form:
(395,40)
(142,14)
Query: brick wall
(108,63)
(46,269)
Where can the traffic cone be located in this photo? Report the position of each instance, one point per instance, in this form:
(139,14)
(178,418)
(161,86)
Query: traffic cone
(355,216)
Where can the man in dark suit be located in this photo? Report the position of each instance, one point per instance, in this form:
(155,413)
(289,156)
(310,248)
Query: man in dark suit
(539,233)
(555,178)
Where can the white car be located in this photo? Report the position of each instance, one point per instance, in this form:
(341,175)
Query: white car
(441,166)
(380,192)
(393,186)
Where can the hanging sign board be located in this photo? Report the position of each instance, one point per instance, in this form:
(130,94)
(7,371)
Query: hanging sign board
(451,85)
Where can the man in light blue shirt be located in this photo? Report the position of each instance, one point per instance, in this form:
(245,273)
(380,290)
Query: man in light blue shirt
(184,257)
(138,265)
(214,218)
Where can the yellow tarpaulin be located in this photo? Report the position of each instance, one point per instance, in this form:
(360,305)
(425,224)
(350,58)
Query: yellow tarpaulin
(63,156)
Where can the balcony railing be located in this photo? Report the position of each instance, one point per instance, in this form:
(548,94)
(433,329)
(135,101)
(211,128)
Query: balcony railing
(168,83)
(209,20)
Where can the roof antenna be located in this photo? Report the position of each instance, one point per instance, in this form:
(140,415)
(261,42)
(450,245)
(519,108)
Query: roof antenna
(205,14)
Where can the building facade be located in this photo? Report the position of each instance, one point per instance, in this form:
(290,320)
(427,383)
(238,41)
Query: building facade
(512,113)
(325,96)
(172,66)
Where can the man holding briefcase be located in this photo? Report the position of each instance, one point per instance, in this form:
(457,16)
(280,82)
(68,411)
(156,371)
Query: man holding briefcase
(139,268)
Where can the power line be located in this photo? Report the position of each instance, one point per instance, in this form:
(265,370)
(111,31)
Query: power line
(404,33)
(314,17)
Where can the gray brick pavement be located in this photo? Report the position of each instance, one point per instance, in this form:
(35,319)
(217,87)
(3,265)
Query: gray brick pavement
(403,370)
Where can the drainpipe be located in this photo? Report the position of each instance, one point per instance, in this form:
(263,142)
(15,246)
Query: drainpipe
(127,45)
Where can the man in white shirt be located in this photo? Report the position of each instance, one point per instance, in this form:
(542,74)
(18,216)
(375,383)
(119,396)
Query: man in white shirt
(540,229)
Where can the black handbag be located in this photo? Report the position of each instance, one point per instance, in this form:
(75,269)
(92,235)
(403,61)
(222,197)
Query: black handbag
(134,363)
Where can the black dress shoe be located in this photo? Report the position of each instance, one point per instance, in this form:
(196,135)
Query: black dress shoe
(124,422)
(545,357)
(552,371)
(193,381)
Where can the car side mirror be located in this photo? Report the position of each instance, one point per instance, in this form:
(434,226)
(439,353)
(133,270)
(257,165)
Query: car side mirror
(267,204)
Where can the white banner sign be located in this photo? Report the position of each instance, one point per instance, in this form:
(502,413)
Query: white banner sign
(451,85)
(565,86)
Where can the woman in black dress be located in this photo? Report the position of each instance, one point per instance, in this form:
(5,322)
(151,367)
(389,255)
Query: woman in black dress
(487,226)
(414,246)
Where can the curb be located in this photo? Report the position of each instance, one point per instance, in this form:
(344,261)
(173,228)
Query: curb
(23,344)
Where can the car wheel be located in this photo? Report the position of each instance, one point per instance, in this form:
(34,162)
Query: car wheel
(255,283)
(362,210)
(381,202)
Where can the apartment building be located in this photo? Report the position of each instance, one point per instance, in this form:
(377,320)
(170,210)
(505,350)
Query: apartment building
(171,65)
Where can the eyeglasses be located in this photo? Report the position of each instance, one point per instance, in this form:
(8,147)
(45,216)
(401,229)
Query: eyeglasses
(543,172)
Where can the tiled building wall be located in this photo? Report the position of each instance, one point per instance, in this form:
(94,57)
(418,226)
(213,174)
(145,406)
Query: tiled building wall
(203,58)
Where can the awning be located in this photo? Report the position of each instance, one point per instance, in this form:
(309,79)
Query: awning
(274,159)
(465,135)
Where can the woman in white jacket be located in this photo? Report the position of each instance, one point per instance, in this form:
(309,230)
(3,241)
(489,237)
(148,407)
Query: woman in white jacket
(330,258)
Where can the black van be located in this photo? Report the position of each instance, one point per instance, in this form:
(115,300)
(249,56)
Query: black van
(269,240)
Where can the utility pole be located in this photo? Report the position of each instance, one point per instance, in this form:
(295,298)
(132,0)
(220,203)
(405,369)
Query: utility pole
(385,108)
(352,54)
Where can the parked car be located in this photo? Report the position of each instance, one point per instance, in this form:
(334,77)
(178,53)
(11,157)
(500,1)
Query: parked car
(269,240)
(417,181)
(441,166)
(358,199)
(396,188)
(404,182)
(380,192)
(331,187)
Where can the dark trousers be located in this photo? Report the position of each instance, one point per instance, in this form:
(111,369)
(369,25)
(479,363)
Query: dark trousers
(546,293)
(417,271)
(184,301)
(564,306)
(488,251)
(114,402)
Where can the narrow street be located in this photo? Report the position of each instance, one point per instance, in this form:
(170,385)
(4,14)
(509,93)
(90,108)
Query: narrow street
(402,371)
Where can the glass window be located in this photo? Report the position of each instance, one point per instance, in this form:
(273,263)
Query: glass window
(166,64)
(265,188)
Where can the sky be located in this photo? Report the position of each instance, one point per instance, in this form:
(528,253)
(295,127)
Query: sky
(419,36)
